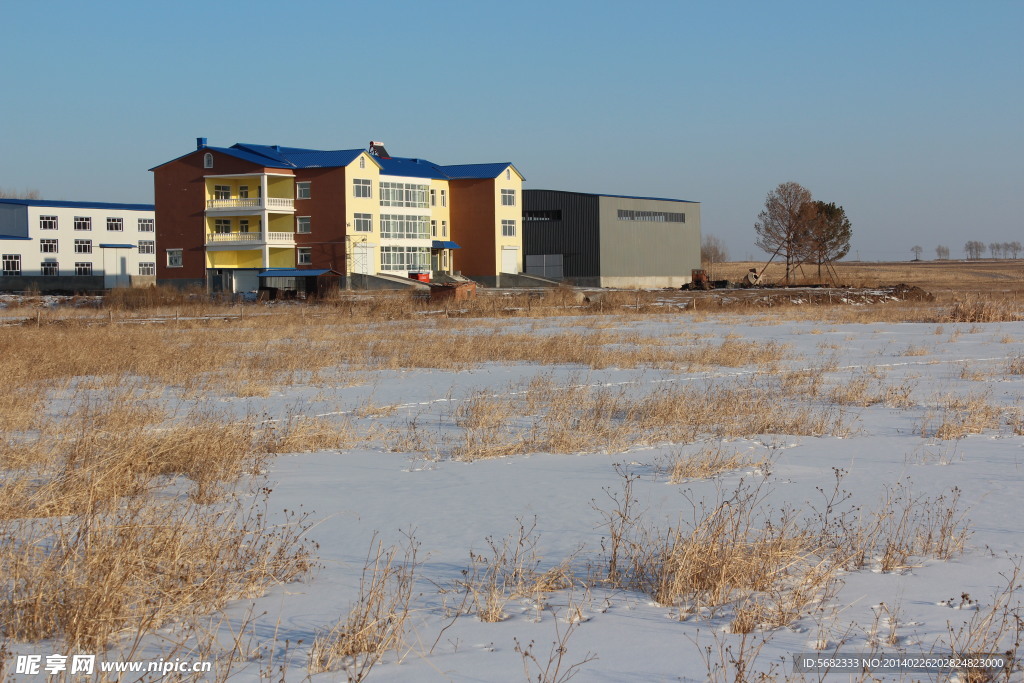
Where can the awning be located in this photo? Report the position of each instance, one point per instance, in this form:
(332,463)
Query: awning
(117,246)
(294,272)
(438,244)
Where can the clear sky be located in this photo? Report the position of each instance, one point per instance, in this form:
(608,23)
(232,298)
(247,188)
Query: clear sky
(909,114)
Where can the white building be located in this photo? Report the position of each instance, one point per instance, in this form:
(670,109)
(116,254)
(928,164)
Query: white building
(76,246)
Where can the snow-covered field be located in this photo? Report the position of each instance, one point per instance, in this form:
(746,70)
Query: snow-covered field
(942,436)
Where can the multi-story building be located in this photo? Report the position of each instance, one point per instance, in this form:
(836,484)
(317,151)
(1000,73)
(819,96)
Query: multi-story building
(600,240)
(226,214)
(76,246)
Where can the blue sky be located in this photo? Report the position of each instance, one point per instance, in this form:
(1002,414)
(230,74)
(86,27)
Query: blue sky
(909,114)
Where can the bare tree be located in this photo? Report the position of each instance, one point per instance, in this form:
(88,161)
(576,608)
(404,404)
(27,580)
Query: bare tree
(942,252)
(18,194)
(996,249)
(916,250)
(1014,248)
(782,227)
(712,250)
(974,249)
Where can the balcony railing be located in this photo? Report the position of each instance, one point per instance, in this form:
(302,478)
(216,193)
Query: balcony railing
(270,236)
(285,203)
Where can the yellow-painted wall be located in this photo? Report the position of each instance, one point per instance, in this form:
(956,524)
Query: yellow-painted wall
(282,258)
(280,222)
(241,258)
(277,186)
(371,204)
(281,187)
(514,182)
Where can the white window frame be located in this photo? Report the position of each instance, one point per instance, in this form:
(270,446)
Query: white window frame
(362,222)
(444,197)
(83,246)
(433,228)
(115,224)
(49,265)
(175,258)
(303,225)
(222,226)
(243,191)
(147,247)
(222,192)
(11,264)
(147,268)
(303,256)
(47,222)
(147,225)
(508,197)
(303,189)
(48,246)
(444,228)
(83,223)
(508,227)
(207,160)
(433,197)
(362,188)
(83,268)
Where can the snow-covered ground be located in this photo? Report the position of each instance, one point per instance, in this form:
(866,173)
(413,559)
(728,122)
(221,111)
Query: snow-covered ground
(452,507)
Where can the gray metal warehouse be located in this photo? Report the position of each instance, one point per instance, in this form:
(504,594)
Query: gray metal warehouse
(600,240)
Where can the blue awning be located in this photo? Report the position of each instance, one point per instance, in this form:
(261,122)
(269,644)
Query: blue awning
(117,246)
(293,272)
(438,244)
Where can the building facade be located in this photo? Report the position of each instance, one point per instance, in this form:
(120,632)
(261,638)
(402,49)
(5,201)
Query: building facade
(228,214)
(76,246)
(598,240)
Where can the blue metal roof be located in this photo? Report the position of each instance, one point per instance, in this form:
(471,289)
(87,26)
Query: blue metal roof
(295,272)
(465,171)
(440,244)
(78,205)
(297,157)
(411,168)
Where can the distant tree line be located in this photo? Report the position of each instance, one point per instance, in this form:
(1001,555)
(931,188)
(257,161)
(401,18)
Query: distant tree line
(18,194)
(975,249)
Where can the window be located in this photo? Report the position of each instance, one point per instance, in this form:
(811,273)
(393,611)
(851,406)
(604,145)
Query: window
(222,226)
(147,268)
(48,246)
(147,225)
(207,160)
(364,222)
(83,246)
(547,215)
(508,228)
(174,258)
(304,256)
(243,191)
(403,194)
(12,264)
(444,197)
(83,223)
(433,228)
(115,224)
(508,174)
(444,228)
(49,268)
(405,258)
(83,268)
(508,197)
(303,190)
(433,197)
(147,247)
(302,225)
(47,222)
(222,192)
(362,161)
(243,225)
(407,227)
(651,216)
(361,188)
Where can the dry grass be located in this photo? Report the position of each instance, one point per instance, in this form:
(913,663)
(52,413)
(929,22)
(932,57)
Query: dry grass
(712,459)
(376,623)
(956,416)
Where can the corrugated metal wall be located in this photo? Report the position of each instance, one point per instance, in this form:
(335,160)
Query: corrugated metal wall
(575,236)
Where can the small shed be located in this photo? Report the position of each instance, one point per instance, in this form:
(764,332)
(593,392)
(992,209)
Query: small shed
(299,283)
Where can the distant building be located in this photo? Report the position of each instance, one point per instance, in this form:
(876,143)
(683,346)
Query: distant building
(228,215)
(598,240)
(76,246)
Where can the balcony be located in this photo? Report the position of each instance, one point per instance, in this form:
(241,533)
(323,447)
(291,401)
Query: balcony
(251,239)
(251,204)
